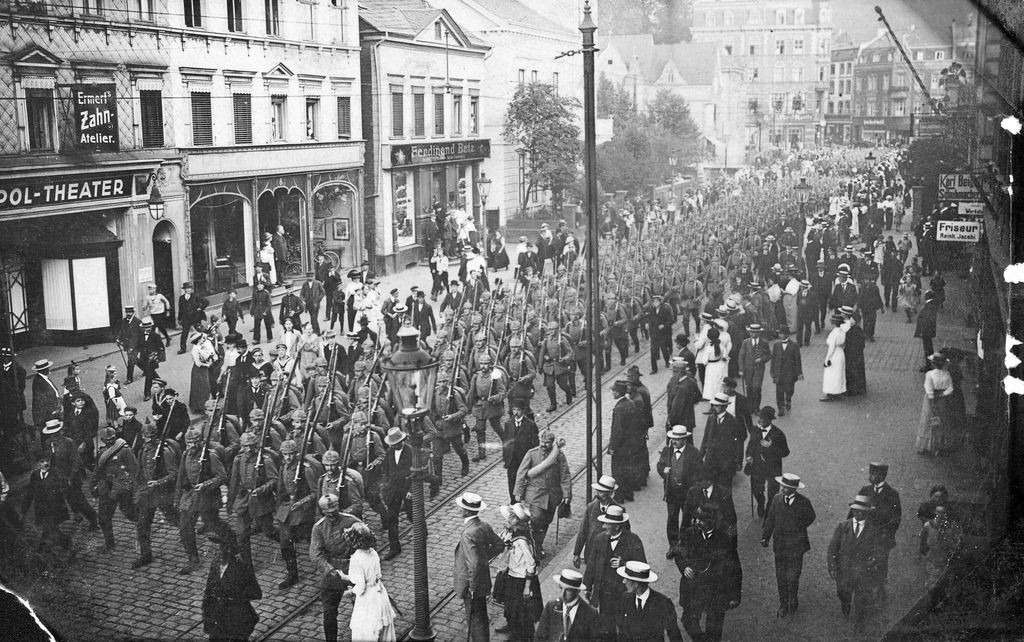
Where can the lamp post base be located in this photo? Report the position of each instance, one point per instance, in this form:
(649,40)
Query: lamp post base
(422,630)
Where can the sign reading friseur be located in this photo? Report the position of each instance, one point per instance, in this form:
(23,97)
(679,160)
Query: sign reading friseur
(56,190)
(432,153)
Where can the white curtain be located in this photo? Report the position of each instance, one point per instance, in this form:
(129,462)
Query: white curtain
(57,294)
(91,303)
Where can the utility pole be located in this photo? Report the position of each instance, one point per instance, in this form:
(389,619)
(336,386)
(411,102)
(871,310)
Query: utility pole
(594,449)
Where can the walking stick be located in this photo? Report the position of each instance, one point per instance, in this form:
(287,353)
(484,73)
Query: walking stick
(751,496)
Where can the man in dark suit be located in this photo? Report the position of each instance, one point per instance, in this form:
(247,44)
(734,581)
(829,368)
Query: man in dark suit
(280,244)
(806,313)
(472,575)
(46,399)
(129,334)
(854,555)
(569,618)
(590,527)
(291,307)
(685,397)
(312,293)
(543,247)
(66,465)
(844,292)
(789,516)
(528,258)
(660,320)
(191,310)
(392,318)
(251,395)
(754,353)
(46,490)
(718,446)
(705,490)
(520,435)
(927,321)
(766,448)
(625,439)
(151,351)
(740,408)
(422,314)
(711,578)
(613,548)
(395,485)
(678,465)
(787,369)
(261,308)
(173,418)
(887,513)
(821,285)
(82,426)
(453,300)
(644,615)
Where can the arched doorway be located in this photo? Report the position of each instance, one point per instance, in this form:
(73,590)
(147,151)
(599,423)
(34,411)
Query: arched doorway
(284,207)
(163,261)
(334,224)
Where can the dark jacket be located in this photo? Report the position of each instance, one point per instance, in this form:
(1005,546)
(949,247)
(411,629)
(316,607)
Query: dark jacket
(396,475)
(870,298)
(888,511)
(766,463)
(46,401)
(518,442)
(312,294)
(191,310)
(129,333)
(687,396)
(718,444)
(855,562)
(587,624)
(476,546)
(718,579)
(261,305)
(927,318)
(657,620)
(682,473)
(787,525)
(48,496)
(227,612)
(423,319)
(787,365)
(720,495)
(603,583)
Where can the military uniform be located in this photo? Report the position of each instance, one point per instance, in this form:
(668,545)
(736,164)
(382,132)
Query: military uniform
(330,552)
(450,412)
(155,477)
(521,368)
(487,398)
(113,484)
(198,495)
(555,355)
(296,486)
(248,496)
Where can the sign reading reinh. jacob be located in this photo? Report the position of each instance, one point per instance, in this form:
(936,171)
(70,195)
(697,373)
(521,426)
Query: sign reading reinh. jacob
(95,117)
(430,153)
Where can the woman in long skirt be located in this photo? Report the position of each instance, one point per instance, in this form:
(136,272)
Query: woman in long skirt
(203,356)
(373,618)
(833,378)
(853,350)
(718,362)
(934,424)
(522,572)
(310,347)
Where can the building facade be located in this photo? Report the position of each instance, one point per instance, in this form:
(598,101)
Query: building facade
(839,109)
(783,48)
(147,144)
(422,95)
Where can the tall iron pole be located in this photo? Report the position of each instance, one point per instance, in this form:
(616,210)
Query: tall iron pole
(594,449)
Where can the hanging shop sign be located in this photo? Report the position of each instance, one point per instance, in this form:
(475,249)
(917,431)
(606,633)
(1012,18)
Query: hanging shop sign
(957,187)
(431,153)
(95,117)
(958,231)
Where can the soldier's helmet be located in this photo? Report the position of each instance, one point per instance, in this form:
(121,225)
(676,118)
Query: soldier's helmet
(363,392)
(359,417)
(256,414)
(107,433)
(484,360)
(210,405)
(320,362)
(475,319)
(248,439)
(330,458)
(516,342)
(442,334)
(448,355)
(480,336)
(193,435)
(289,447)
(328,502)
(148,430)
(552,326)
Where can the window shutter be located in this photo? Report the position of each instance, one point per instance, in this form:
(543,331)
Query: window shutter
(439,114)
(419,115)
(397,114)
(344,117)
(243,118)
(202,119)
(152,118)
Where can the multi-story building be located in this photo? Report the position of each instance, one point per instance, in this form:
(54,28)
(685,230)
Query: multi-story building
(887,94)
(525,47)
(839,108)
(702,73)
(152,142)
(423,97)
(783,47)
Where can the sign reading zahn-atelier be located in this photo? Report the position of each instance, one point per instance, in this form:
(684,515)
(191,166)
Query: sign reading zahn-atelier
(54,190)
(95,117)
(430,153)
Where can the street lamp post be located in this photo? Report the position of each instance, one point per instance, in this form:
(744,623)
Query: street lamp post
(412,374)
(155,204)
(587,28)
(803,194)
(483,188)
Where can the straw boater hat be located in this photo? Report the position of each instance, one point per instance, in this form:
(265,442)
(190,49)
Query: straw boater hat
(52,426)
(569,579)
(605,483)
(521,512)
(638,572)
(678,432)
(789,480)
(42,364)
(861,502)
(938,359)
(394,436)
(615,514)
(471,501)
(721,399)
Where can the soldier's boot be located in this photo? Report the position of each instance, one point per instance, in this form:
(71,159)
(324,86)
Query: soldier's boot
(292,565)
(481,451)
(554,400)
(142,560)
(191,566)
(464,458)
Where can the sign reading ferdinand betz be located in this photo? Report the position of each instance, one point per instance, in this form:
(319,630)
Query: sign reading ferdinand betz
(430,153)
(95,117)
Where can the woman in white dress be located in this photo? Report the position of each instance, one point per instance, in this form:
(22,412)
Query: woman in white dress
(310,348)
(373,618)
(934,426)
(833,379)
(718,362)
(290,336)
(267,259)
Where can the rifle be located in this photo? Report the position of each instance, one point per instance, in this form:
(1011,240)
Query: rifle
(225,378)
(307,430)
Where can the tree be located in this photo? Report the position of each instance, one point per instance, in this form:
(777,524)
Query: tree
(670,113)
(613,102)
(667,20)
(542,126)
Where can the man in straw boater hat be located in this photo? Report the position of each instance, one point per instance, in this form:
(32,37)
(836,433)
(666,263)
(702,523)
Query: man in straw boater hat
(477,544)
(790,514)
(643,613)
(888,510)
(613,547)
(569,618)
(590,526)
(46,398)
(854,555)
(678,464)
(754,353)
(66,465)
(711,578)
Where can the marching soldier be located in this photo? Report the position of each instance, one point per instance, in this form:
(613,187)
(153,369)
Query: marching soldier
(487,394)
(329,549)
(113,483)
(348,490)
(555,355)
(450,412)
(197,495)
(617,319)
(253,474)
(296,486)
(155,478)
(521,368)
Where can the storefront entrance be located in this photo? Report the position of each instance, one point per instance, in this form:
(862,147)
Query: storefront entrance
(334,218)
(284,207)
(163,262)
(220,253)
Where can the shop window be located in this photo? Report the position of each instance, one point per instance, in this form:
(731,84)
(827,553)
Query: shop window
(272,17)
(404,218)
(219,244)
(92,7)
(474,114)
(242,104)
(234,8)
(41,124)
(278,117)
(344,117)
(533,76)
(75,293)
(312,118)
(419,116)
(457,114)
(397,114)
(202,119)
(152,111)
(439,114)
(193,13)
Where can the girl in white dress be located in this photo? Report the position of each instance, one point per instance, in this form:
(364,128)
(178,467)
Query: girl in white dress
(833,379)
(290,336)
(267,258)
(373,618)
(718,362)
